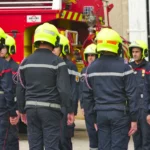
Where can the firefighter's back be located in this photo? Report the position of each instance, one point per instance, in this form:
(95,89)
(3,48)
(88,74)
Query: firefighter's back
(40,70)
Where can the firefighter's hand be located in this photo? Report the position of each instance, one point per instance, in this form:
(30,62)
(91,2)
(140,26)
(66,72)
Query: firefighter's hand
(82,111)
(133,128)
(24,118)
(71,118)
(95,126)
(148,119)
(14,120)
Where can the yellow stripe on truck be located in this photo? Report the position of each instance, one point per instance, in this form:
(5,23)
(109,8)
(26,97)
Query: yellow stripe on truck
(69,15)
(64,14)
(80,18)
(57,15)
(75,16)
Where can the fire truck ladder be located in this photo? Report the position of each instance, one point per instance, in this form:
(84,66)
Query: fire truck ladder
(51,4)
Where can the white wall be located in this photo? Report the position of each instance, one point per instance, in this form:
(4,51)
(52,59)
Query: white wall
(119,17)
(137,20)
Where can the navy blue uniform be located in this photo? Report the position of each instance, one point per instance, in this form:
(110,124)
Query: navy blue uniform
(68,131)
(13,139)
(6,102)
(89,120)
(113,90)
(43,89)
(141,138)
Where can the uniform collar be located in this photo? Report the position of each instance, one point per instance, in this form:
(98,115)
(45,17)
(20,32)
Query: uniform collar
(65,59)
(10,60)
(43,50)
(108,56)
(142,64)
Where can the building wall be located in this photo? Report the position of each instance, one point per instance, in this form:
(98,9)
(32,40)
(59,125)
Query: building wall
(119,17)
(137,20)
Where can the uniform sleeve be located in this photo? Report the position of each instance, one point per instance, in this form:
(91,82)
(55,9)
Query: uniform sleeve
(147,91)
(64,87)
(74,79)
(20,90)
(6,84)
(87,96)
(130,90)
(14,74)
(82,78)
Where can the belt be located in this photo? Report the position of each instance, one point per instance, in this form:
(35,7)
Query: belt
(93,148)
(45,104)
(116,104)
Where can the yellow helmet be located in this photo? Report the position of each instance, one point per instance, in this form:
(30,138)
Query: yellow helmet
(90,49)
(64,44)
(10,44)
(139,44)
(108,40)
(47,33)
(2,37)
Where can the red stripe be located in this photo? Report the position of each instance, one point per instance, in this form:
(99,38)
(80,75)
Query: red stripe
(138,69)
(13,72)
(147,72)
(66,15)
(72,16)
(5,71)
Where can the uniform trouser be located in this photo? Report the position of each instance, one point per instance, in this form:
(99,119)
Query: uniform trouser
(22,127)
(8,134)
(142,137)
(13,139)
(92,133)
(113,127)
(67,132)
(43,128)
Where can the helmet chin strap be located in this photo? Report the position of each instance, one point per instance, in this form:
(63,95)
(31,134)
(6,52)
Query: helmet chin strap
(6,56)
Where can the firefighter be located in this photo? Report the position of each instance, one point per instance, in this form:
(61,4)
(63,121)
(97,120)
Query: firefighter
(43,89)
(7,106)
(138,50)
(90,55)
(111,89)
(68,130)
(6,53)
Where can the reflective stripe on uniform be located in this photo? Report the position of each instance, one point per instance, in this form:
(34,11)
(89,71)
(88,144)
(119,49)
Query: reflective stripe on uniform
(42,66)
(45,104)
(111,74)
(128,72)
(15,99)
(75,73)
(1,92)
(93,148)
(83,75)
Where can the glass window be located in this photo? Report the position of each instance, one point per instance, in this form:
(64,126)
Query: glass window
(87,9)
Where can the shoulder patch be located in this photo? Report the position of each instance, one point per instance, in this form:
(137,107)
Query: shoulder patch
(77,78)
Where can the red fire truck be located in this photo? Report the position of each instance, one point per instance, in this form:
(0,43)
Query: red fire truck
(79,20)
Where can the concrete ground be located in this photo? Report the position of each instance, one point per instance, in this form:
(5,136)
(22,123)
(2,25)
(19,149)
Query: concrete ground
(80,140)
